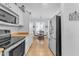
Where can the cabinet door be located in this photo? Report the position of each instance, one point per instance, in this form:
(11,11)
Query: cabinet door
(21,20)
(13,7)
(28,43)
(24,20)
(0,53)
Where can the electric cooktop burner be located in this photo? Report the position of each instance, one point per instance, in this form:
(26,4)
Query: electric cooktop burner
(6,40)
(13,41)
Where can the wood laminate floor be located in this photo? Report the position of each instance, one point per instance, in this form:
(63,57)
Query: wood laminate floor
(39,48)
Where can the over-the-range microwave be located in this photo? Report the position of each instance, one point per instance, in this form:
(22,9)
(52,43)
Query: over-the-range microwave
(8,16)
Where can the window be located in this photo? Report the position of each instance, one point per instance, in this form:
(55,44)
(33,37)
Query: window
(40,26)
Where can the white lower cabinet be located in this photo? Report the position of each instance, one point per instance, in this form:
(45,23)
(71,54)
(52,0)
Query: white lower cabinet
(0,53)
(28,43)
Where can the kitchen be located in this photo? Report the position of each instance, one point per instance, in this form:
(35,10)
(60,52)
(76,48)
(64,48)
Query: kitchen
(14,30)
(22,23)
(39,29)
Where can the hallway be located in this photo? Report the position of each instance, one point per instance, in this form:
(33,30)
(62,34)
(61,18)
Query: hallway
(39,48)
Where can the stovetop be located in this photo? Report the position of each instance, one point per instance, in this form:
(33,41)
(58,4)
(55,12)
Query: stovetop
(6,40)
(12,42)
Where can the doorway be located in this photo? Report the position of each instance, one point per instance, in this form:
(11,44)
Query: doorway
(58,36)
(55,35)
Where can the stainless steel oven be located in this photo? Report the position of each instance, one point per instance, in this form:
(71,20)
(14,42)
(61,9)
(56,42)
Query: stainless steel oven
(13,46)
(17,49)
(5,37)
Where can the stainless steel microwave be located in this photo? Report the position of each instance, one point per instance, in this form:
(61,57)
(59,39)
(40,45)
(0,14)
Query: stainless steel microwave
(8,17)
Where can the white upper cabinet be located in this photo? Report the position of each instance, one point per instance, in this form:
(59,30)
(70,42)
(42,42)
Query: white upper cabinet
(17,11)
(12,7)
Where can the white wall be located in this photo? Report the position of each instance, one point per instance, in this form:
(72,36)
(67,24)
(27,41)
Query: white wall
(70,31)
(52,36)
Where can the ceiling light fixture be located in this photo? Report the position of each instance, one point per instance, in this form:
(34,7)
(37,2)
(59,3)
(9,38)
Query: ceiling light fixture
(44,4)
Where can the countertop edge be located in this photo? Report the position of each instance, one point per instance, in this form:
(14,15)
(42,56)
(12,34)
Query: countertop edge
(1,50)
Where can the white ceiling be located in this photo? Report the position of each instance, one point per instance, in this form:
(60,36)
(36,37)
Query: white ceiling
(43,10)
